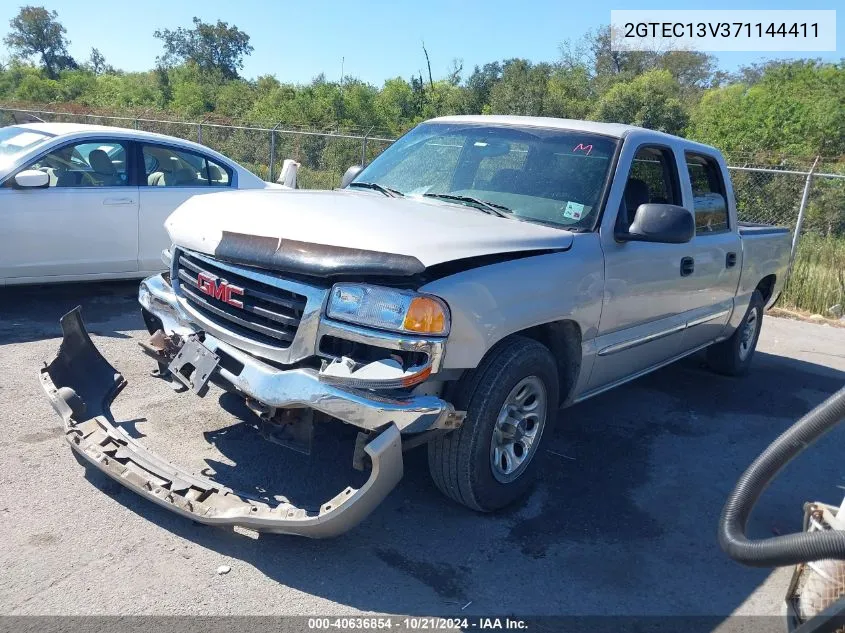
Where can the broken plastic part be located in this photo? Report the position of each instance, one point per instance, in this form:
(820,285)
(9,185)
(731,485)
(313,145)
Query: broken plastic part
(81,385)
(386,373)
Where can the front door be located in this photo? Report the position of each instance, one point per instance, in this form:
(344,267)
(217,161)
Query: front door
(649,287)
(84,223)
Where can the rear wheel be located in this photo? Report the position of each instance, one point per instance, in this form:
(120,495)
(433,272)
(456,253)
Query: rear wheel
(732,357)
(510,398)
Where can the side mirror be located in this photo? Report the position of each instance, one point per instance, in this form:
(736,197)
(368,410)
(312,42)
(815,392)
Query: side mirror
(32,179)
(661,223)
(350,175)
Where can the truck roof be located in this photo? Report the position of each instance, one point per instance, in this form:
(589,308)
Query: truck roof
(615,130)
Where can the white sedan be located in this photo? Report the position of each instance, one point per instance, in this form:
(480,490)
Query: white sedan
(88,202)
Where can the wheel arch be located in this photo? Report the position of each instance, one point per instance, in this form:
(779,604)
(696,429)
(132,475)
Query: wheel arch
(563,339)
(766,286)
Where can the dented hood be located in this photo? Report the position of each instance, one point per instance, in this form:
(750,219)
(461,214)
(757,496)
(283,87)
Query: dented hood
(348,232)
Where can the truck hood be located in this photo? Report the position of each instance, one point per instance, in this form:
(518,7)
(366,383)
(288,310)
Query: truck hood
(348,232)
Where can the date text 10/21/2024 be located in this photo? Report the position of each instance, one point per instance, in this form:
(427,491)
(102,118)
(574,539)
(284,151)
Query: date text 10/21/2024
(421,623)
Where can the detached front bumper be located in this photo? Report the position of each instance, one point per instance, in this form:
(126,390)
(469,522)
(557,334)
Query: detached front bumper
(81,385)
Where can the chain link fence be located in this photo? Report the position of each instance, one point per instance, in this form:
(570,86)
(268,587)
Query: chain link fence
(774,194)
(323,155)
(808,196)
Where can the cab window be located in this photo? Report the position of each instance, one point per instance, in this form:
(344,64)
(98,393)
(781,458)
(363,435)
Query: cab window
(653,179)
(709,196)
(169,167)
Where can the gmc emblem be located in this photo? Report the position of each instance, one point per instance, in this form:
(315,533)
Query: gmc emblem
(220,289)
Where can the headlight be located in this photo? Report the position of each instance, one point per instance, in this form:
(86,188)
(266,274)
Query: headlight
(388,309)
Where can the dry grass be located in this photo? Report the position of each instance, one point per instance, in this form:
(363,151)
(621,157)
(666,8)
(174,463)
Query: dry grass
(817,281)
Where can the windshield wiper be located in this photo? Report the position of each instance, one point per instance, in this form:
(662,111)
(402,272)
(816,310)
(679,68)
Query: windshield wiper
(492,208)
(390,193)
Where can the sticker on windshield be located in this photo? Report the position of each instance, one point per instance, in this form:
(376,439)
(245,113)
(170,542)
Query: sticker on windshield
(575,211)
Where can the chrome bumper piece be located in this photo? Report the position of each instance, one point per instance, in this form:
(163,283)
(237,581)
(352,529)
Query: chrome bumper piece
(302,387)
(81,385)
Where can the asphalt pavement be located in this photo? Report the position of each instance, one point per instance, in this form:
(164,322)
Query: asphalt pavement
(623,520)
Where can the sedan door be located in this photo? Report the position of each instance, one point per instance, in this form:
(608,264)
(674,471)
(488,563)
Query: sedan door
(171,176)
(84,223)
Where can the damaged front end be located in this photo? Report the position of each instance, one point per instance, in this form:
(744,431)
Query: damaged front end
(81,385)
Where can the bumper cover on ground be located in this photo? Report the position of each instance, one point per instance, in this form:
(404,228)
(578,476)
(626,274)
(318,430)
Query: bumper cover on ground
(81,385)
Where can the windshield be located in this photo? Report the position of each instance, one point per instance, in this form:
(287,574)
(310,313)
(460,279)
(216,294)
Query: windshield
(540,174)
(14,141)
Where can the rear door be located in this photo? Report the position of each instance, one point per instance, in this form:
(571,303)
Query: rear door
(171,175)
(84,223)
(717,246)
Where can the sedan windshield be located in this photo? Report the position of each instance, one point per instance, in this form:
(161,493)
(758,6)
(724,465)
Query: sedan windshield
(14,141)
(540,174)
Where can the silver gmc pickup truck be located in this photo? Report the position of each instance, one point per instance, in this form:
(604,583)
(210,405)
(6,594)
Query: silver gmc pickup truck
(480,274)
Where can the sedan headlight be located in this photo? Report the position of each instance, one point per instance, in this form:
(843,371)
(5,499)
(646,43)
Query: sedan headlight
(388,309)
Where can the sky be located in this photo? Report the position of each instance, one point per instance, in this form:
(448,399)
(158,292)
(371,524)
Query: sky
(369,39)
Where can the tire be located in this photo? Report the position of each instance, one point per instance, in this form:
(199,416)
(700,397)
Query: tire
(518,370)
(732,357)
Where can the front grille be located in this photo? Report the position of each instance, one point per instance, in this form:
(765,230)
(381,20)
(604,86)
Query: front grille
(270,315)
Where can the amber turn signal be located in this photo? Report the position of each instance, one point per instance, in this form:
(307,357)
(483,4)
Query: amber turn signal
(425,315)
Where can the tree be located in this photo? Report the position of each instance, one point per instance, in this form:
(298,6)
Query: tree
(692,70)
(216,48)
(569,93)
(650,100)
(792,108)
(522,89)
(97,63)
(36,31)
(480,84)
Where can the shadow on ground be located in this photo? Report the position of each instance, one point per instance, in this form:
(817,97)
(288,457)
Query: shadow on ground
(623,520)
(31,313)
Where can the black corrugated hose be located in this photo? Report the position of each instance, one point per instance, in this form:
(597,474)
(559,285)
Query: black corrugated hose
(789,549)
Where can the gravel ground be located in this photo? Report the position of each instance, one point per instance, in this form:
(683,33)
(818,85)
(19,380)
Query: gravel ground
(623,521)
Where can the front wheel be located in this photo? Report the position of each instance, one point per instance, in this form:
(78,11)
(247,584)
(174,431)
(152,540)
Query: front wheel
(510,398)
(732,357)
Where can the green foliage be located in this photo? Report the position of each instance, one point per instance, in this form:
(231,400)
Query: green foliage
(570,93)
(650,100)
(129,90)
(792,107)
(213,48)
(36,31)
(521,89)
(38,89)
(97,63)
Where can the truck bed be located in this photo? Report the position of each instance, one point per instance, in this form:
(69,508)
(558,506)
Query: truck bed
(754,228)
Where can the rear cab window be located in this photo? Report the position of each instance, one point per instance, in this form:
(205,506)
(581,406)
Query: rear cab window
(709,195)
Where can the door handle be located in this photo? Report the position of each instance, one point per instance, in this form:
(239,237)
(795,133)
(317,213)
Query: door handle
(730,260)
(113,202)
(687,266)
